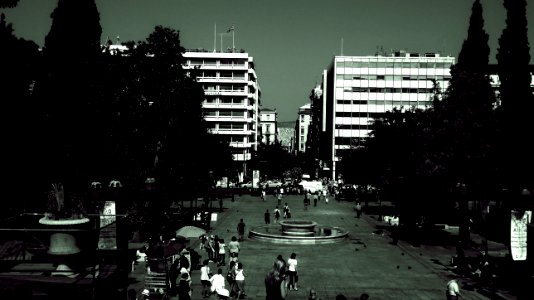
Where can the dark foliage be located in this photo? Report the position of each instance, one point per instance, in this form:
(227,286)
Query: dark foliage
(517,101)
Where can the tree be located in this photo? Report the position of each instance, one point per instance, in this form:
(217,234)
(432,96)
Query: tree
(517,101)
(170,137)
(466,129)
(70,120)
(19,59)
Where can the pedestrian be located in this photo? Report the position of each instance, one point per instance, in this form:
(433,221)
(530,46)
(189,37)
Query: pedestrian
(306,200)
(184,288)
(286,210)
(216,258)
(275,288)
(234,248)
(281,264)
(315,199)
(263,194)
(217,281)
(241,230)
(222,253)
(358,209)
(230,278)
(292,272)
(208,246)
(205,278)
(267,217)
(276,214)
(174,272)
(240,281)
(453,290)
(279,197)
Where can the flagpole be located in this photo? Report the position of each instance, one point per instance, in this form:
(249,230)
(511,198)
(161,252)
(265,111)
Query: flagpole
(233,45)
(215,39)
(221,41)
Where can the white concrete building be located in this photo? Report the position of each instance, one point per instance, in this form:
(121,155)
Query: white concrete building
(232,98)
(301,127)
(268,125)
(358,89)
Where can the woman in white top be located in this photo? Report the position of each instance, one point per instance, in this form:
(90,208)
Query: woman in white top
(240,280)
(205,278)
(292,271)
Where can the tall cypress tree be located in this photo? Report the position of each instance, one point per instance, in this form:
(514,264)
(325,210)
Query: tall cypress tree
(517,101)
(67,95)
(466,130)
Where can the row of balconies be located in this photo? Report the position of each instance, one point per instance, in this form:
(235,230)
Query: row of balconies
(231,131)
(222,118)
(229,93)
(384,71)
(390,83)
(384,96)
(228,105)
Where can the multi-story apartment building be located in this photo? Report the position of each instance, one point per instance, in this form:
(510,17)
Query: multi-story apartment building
(357,89)
(232,94)
(268,126)
(301,127)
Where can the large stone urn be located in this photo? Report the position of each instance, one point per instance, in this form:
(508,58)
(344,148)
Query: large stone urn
(64,237)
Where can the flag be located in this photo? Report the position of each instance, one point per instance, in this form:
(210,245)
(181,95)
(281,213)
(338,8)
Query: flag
(230,29)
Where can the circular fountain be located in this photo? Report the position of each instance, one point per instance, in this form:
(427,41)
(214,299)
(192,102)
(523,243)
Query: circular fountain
(298,232)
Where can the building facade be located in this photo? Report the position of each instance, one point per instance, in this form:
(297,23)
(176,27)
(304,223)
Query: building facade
(232,97)
(268,126)
(357,89)
(301,128)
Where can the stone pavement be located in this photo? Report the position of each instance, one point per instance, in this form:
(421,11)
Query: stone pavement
(365,263)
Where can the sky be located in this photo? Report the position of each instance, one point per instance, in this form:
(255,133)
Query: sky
(292,41)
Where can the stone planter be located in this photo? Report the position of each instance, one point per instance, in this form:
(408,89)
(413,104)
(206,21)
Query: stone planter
(64,241)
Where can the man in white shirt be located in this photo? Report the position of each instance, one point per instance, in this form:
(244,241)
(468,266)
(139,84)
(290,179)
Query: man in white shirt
(453,290)
(217,281)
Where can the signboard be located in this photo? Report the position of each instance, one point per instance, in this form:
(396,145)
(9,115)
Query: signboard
(108,227)
(255,178)
(518,234)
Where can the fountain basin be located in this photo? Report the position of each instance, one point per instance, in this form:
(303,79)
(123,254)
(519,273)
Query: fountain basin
(321,234)
(298,227)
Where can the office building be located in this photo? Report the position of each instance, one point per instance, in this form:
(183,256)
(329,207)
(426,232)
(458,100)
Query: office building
(357,89)
(232,94)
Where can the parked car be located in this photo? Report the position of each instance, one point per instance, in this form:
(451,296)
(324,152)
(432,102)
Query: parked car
(272,183)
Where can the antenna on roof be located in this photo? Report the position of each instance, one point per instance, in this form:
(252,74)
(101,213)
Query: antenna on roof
(341,46)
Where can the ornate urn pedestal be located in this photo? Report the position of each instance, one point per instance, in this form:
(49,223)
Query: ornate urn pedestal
(64,242)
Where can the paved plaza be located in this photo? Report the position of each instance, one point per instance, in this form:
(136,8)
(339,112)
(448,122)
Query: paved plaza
(365,263)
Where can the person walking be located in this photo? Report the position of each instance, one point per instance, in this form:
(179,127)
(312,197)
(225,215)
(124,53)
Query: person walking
(263,194)
(315,199)
(275,288)
(292,272)
(358,209)
(241,230)
(453,290)
(205,278)
(234,248)
(306,199)
(276,214)
(217,281)
(286,210)
(184,288)
(267,217)
(222,253)
(240,281)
